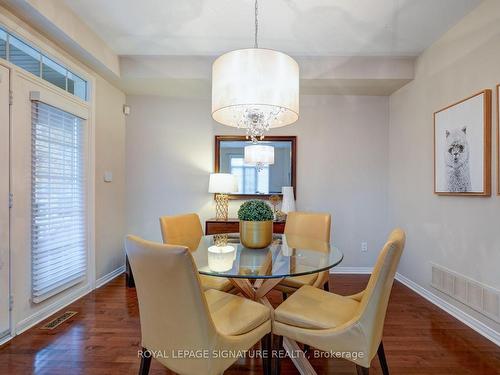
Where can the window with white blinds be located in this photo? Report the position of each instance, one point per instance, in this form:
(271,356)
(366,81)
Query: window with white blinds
(58,208)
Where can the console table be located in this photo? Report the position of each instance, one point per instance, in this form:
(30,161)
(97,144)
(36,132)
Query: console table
(213,226)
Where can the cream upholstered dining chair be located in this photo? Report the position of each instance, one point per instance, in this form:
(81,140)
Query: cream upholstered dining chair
(306,225)
(352,324)
(186,230)
(177,316)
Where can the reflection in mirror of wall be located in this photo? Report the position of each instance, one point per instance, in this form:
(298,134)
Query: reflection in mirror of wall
(257,179)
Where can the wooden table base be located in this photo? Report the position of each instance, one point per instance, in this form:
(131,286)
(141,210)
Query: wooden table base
(298,357)
(257,290)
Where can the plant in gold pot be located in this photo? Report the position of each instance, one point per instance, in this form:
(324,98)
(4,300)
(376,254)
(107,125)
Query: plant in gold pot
(256,224)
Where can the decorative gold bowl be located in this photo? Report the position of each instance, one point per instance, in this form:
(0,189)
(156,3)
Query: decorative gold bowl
(256,234)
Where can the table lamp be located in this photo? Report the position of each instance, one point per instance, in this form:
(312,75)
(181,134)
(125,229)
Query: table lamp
(222,184)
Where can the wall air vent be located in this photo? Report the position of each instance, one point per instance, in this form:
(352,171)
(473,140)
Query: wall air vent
(477,296)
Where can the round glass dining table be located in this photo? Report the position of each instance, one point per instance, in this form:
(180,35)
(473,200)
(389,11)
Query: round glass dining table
(255,272)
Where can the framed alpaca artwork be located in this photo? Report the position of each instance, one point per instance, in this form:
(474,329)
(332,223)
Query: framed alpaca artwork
(462,147)
(498,139)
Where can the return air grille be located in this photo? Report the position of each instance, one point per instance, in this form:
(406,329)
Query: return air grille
(480,297)
(59,320)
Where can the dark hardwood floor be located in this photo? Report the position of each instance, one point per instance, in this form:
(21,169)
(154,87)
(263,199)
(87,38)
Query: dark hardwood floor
(104,338)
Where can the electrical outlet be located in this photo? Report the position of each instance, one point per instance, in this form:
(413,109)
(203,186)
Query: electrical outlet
(364,247)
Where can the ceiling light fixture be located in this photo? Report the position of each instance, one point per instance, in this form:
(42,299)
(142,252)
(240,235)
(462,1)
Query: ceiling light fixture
(255,88)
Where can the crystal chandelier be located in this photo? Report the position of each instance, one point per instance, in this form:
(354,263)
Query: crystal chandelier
(255,89)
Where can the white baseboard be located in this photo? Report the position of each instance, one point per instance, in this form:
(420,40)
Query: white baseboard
(48,310)
(5,339)
(454,311)
(110,276)
(353,270)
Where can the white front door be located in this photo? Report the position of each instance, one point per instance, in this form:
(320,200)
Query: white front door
(4,203)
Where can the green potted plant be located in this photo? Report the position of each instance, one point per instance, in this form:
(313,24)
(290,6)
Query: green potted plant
(256,224)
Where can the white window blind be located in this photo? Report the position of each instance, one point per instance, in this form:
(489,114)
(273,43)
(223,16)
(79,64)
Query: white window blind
(58,227)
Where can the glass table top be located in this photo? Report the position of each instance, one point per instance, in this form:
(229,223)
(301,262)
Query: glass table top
(286,256)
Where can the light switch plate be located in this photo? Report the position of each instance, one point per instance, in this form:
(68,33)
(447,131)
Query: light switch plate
(108,176)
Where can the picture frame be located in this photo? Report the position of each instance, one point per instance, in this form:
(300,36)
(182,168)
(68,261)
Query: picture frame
(462,147)
(282,139)
(498,139)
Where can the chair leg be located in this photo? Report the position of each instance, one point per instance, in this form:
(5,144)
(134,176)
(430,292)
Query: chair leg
(145,362)
(362,370)
(277,352)
(326,286)
(129,276)
(284,295)
(382,359)
(265,344)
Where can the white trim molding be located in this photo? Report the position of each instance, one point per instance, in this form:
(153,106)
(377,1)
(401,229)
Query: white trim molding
(351,270)
(454,311)
(5,339)
(51,309)
(101,281)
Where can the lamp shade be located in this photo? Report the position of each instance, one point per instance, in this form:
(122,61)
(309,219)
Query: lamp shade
(259,154)
(221,258)
(257,85)
(223,183)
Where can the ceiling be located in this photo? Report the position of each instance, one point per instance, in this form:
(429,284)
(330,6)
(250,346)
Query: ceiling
(297,27)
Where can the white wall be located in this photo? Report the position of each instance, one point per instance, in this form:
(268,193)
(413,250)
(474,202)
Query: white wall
(460,233)
(342,164)
(109,196)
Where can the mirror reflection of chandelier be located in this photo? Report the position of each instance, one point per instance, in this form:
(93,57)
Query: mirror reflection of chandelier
(255,89)
(259,155)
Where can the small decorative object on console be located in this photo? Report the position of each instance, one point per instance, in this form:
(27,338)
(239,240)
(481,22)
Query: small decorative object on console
(275,200)
(280,216)
(288,204)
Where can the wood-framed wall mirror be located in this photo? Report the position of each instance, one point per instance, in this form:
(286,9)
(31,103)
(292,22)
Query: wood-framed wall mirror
(255,182)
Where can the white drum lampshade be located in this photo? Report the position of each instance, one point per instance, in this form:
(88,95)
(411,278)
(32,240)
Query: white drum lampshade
(221,258)
(222,183)
(259,154)
(255,87)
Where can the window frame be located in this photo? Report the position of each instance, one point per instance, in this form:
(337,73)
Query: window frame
(68,71)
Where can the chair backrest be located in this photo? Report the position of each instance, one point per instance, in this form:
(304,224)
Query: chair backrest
(309,224)
(182,230)
(173,311)
(374,302)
